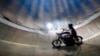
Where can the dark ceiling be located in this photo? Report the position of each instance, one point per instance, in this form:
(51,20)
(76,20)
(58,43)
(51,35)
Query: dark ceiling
(38,13)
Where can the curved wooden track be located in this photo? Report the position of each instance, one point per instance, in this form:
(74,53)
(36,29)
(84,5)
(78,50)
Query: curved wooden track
(15,42)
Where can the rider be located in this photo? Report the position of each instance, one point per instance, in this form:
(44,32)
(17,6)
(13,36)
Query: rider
(73,32)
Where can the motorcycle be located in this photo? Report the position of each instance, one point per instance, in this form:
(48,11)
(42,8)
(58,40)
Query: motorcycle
(66,39)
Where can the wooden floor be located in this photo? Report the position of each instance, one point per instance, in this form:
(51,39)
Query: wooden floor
(15,42)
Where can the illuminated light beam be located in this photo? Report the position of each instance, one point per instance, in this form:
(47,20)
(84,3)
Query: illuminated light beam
(29,7)
(46,8)
(50,6)
(66,7)
(70,7)
(57,10)
(22,3)
(63,6)
(25,9)
(89,4)
(33,8)
(18,44)
(46,11)
(79,7)
(60,7)
(36,14)
(54,9)
(19,8)
(50,10)
(43,14)
(41,11)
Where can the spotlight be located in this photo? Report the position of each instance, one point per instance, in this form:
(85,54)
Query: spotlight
(49,25)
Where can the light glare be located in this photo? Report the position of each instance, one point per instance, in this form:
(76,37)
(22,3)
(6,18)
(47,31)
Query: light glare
(49,25)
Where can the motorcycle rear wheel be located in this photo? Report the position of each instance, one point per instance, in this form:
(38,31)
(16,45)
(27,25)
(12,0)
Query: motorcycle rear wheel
(80,40)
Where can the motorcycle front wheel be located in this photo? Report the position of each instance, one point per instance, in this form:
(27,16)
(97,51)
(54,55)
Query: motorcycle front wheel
(56,43)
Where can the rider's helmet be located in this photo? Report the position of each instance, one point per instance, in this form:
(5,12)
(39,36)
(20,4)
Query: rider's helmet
(70,25)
